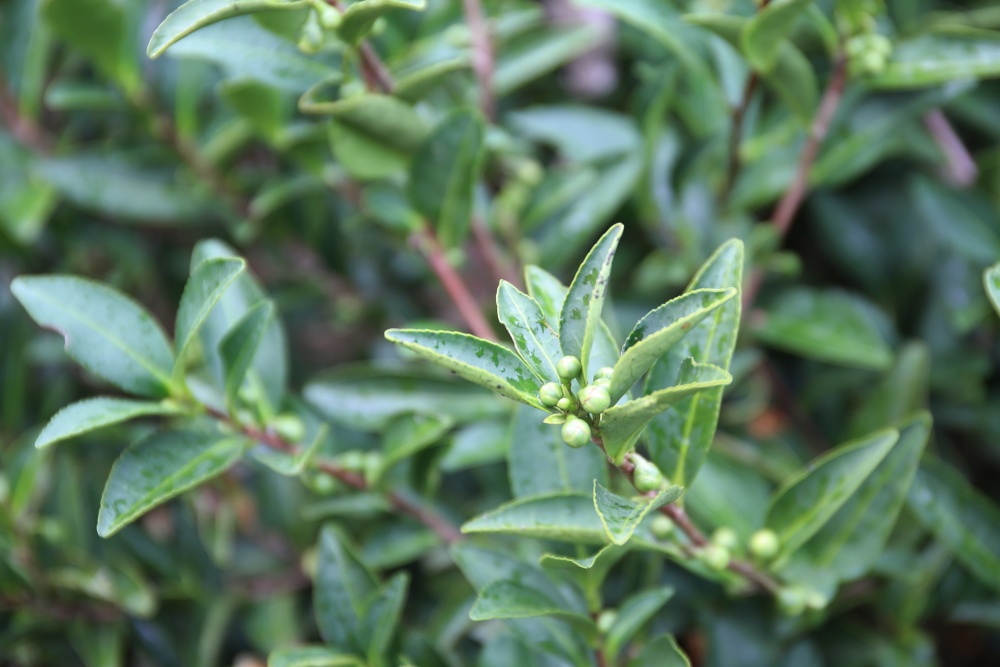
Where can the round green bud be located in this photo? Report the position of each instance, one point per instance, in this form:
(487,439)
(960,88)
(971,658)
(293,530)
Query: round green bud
(289,426)
(604,373)
(815,600)
(726,537)
(873,62)
(595,399)
(576,432)
(353,459)
(605,620)
(764,544)
(565,404)
(662,526)
(602,382)
(715,557)
(530,172)
(791,601)
(550,394)
(569,368)
(372,466)
(880,44)
(646,476)
(329,17)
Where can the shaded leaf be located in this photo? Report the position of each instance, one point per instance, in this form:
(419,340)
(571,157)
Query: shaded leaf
(633,614)
(343,586)
(94,413)
(239,346)
(566,517)
(202,292)
(932,59)
(359,17)
(768,30)
(510,599)
(902,391)
(621,516)
(540,462)
(381,623)
(100,30)
(311,656)
(408,434)
(661,652)
(991,281)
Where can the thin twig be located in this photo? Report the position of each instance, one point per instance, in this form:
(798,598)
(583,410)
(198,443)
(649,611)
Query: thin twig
(784,213)
(962,170)
(482,55)
(736,134)
(441,526)
(484,240)
(427,243)
(24,130)
(373,70)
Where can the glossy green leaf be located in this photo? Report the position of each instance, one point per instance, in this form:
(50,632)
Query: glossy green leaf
(95,413)
(104,331)
(478,361)
(536,342)
(444,172)
(621,516)
(408,434)
(202,292)
(196,14)
(580,315)
(633,614)
(566,517)
(933,59)
(679,439)
(807,500)
(359,17)
(831,326)
(767,31)
(851,541)
(661,329)
(160,467)
(902,391)
(239,346)
(960,516)
(413,85)
(539,461)
(661,652)
(589,572)
(510,599)
(311,656)
(622,425)
(381,623)
(343,586)
(991,282)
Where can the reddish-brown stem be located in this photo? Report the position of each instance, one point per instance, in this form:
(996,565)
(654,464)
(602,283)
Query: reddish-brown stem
(736,134)
(482,54)
(784,213)
(373,70)
(427,243)
(24,130)
(483,238)
(962,170)
(441,526)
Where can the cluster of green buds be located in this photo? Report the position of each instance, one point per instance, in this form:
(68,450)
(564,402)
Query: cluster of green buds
(577,412)
(868,53)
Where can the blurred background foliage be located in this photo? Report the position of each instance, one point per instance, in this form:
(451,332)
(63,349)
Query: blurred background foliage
(276,132)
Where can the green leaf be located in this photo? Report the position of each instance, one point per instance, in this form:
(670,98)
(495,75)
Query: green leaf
(290,465)
(381,623)
(807,500)
(539,461)
(933,59)
(659,330)
(609,134)
(621,516)
(580,315)
(411,433)
(991,281)
(104,331)
(960,516)
(510,599)
(661,652)
(902,391)
(196,14)
(343,586)
(534,339)
(160,467)
(622,425)
(590,572)
(444,172)
(768,30)
(657,18)
(566,517)
(202,292)
(634,613)
(851,541)
(311,656)
(415,84)
(94,413)
(100,30)
(533,56)
(474,359)
(239,346)
(359,18)
(679,439)
(831,326)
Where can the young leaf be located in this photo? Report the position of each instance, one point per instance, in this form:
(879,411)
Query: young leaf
(444,172)
(312,656)
(101,31)
(580,315)
(539,461)
(622,425)
(567,517)
(474,359)
(104,331)
(765,33)
(659,330)
(381,622)
(239,347)
(991,281)
(510,599)
(196,14)
(960,516)
(805,502)
(202,292)
(160,467)
(524,320)
(343,586)
(661,652)
(621,516)
(359,18)
(679,439)
(94,413)
(934,59)
(634,613)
